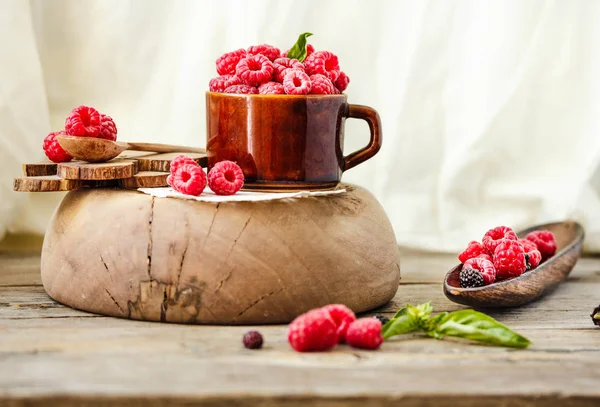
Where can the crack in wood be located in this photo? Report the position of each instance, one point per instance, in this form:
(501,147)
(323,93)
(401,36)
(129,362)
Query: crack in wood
(212,221)
(115,301)
(106,267)
(229,253)
(187,244)
(164,306)
(150,218)
(264,297)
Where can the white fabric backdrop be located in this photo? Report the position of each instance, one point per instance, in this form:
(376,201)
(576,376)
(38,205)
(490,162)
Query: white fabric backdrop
(490,109)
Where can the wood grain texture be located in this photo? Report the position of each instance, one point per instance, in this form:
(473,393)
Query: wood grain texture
(47,183)
(116,169)
(230,263)
(530,285)
(39,169)
(52,355)
(145,179)
(162,162)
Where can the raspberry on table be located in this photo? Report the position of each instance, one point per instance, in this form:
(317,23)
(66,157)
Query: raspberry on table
(365,333)
(53,150)
(321,85)
(226,63)
(271,88)
(343,317)
(108,128)
(473,249)
(255,70)
(470,278)
(323,62)
(296,82)
(241,89)
(341,83)
(187,177)
(309,50)
(281,66)
(314,331)
(493,237)
(83,121)
(544,241)
(267,50)
(484,266)
(220,83)
(252,340)
(178,160)
(509,259)
(225,178)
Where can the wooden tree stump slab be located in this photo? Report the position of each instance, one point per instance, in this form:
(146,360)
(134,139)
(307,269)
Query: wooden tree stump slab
(39,169)
(145,179)
(53,183)
(114,169)
(130,255)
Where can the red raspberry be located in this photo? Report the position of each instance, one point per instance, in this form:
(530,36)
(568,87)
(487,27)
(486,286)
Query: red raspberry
(313,331)
(188,178)
(486,257)
(533,257)
(267,50)
(341,83)
(255,70)
(177,161)
(484,266)
(271,88)
(321,85)
(83,121)
(509,259)
(309,50)
(225,178)
(365,333)
(241,89)
(473,249)
(323,62)
(527,244)
(53,150)
(220,83)
(226,63)
(493,237)
(108,128)
(296,82)
(283,64)
(545,242)
(343,317)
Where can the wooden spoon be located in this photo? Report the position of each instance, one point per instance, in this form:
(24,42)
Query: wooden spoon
(529,285)
(95,150)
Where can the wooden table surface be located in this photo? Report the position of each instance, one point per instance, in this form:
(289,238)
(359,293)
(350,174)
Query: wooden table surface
(54,355)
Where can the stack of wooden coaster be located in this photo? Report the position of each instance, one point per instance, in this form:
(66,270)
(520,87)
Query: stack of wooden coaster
(130,170)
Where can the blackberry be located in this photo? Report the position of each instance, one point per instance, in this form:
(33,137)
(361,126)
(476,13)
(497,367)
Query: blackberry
(470,278)
(253,340)
(382,319)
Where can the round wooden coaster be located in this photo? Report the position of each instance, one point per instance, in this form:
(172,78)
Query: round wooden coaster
(127,254)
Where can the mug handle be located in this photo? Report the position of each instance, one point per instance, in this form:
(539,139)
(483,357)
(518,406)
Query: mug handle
(371,116)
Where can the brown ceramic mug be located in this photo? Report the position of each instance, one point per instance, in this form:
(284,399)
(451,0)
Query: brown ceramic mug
(286,142)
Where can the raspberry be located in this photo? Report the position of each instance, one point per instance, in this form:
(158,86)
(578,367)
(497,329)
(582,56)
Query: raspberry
(323,62)
(296,82)
(267,50)
(271,88)
(509,259)
(53,150)
(533,257)
(220,83)
(485,256)
(473,249)
(177,161)
(309,50)
(225,178)
(527,244)
(313,331)
(365,333)
(383,319)
(255,70)
(252,340)
(321,85)
(545,242)
(493,237)
(226,63)
(470,278)
(108,128)
(283,64)
(83,121)
(188,178)
(343,317)
(341,83)
(484,266)
(241,89)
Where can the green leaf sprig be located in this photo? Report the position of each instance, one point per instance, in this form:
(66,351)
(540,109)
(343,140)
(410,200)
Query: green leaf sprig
(298,51)
(467,324)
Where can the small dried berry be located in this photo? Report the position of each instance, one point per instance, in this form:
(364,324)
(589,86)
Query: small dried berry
(255,70)
(225,178)
(281,66)
(484,266)
(470,278)
(314,331)
(343,317)
(545,242)
(220,83)
(108,129)
(383,319)
(494,236)
(53,149)
(241,89)
(296,82)
(226,63)
(253,340)
(323,62)
(509,259)
(264,49)
(365,333)
(321,85)
(473,249)
(271,88)
(83,121)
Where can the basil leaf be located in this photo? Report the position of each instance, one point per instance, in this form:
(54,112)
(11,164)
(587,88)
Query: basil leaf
(298,51)
(470,324)
(402,323)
